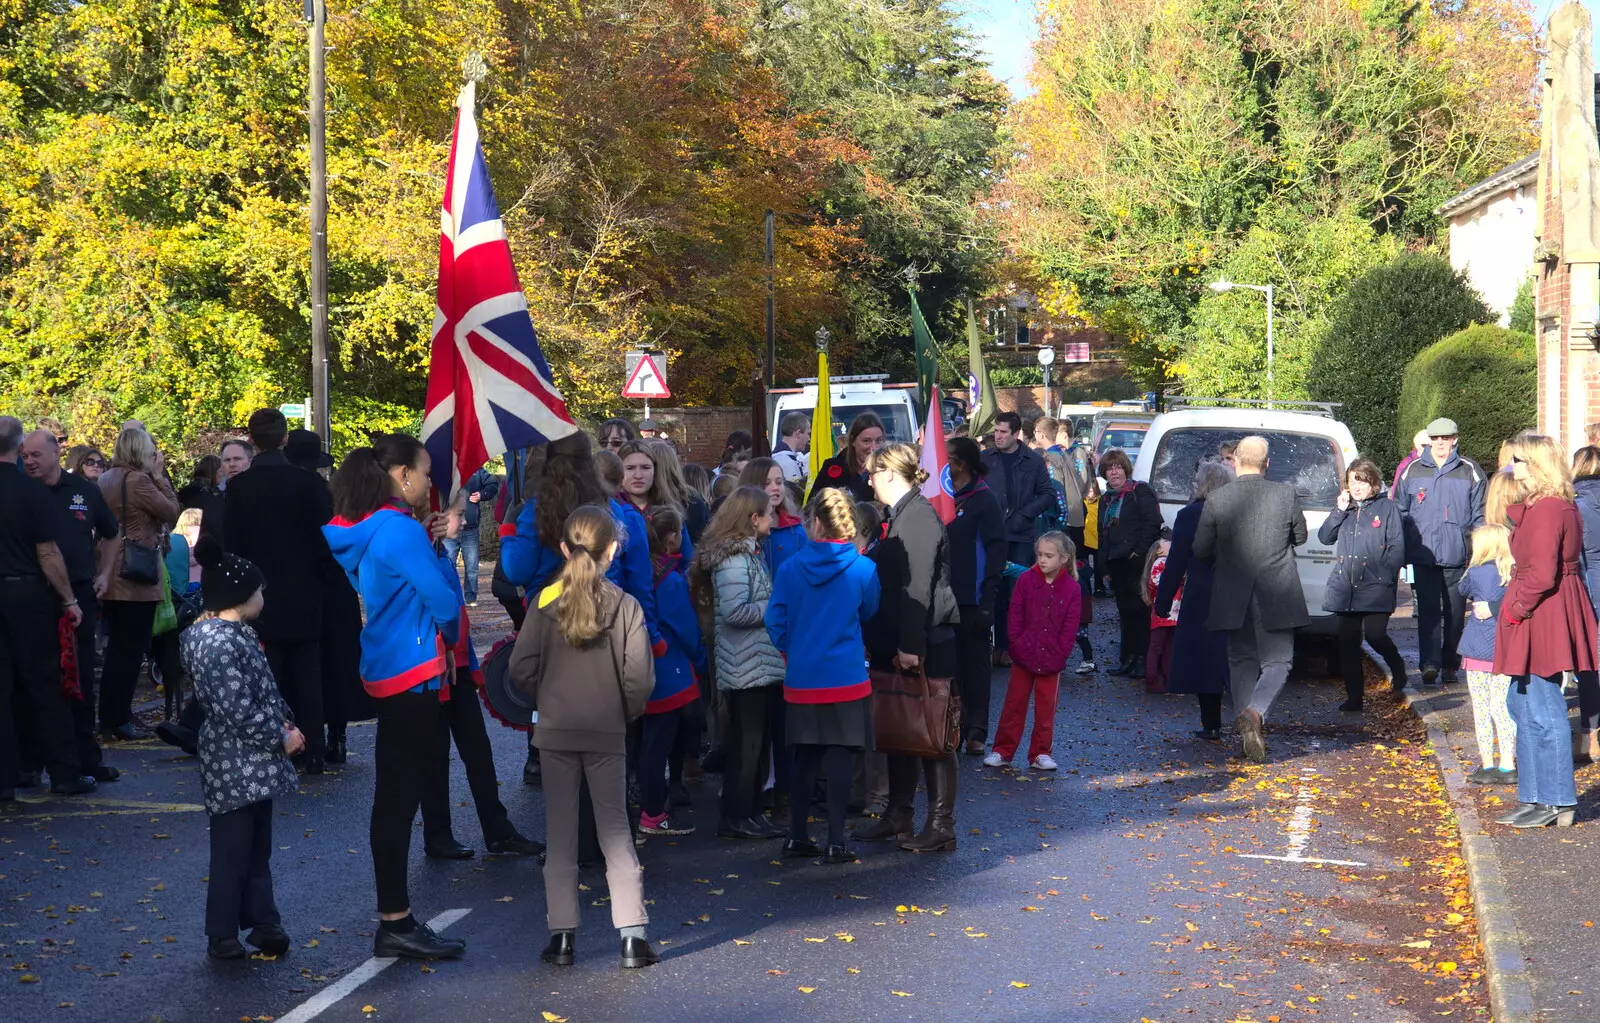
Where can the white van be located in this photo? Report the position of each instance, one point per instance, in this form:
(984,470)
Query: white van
(895,404)
(1307,449)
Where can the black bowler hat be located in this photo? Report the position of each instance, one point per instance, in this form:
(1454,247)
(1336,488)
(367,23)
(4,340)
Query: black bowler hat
(304,448)
(505,702)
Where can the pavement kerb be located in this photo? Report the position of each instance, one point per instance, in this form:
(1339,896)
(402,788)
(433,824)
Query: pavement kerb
(1510,984)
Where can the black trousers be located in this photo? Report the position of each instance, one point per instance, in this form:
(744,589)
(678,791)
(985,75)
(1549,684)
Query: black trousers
(836,764)
(973,671)
(239,894)
(1210,711)
(297,668)
(128,625)
(1133,614)
(658,739)
(31,701)
(1441,613)
(748,745)
(466,727)
(166,654)
(1353,625)
(409,757)
(1021,552)
(83,732)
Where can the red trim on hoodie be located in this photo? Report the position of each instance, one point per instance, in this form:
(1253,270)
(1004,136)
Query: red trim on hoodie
(673,702)
(837,694)
(428,669)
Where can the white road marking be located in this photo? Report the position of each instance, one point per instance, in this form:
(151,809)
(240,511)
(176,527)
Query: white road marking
(331,995)
(1299,826)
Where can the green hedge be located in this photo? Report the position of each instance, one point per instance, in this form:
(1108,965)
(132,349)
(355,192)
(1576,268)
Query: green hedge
(1483,377)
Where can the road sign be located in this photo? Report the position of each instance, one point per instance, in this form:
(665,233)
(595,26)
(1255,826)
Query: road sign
(647,376)
(295,411)
(1047,355)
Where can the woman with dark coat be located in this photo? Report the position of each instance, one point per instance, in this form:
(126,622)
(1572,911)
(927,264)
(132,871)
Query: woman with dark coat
(1130,522)
(914,628)
(848,469)
(1546,627)
(1586,481)
(1364,529)
(1199,655)
(977,557)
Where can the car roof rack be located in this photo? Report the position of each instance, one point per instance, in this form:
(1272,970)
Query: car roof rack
(857,378)
(1175,402)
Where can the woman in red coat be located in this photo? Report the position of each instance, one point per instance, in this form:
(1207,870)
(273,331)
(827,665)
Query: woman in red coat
(1546,627)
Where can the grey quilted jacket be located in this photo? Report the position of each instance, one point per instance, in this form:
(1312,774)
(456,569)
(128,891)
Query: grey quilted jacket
(745,656)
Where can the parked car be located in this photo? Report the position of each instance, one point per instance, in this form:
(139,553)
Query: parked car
(1307,449)
(1120,428)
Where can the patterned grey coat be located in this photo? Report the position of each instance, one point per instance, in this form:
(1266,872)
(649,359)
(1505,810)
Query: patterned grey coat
(241,743)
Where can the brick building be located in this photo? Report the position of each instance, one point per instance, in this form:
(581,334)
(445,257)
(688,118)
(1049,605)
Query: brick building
(1567,257)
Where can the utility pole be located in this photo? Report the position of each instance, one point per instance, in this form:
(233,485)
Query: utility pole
(772,307)
(317,14)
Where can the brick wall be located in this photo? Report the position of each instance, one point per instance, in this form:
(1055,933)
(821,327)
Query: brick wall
(1553,321)
(700,433)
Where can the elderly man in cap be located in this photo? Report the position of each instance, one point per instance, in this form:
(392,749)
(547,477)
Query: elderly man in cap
(1441,496)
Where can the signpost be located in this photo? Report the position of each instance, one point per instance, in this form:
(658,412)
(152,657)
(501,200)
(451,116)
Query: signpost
(646,378)
(297,410)
(1047,355)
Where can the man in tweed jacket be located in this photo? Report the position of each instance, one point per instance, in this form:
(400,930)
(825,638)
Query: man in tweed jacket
(1248,533)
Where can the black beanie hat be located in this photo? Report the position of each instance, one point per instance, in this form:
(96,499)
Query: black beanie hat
(226,580)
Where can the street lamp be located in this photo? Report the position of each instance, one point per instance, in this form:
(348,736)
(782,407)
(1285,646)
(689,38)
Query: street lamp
(1223,284)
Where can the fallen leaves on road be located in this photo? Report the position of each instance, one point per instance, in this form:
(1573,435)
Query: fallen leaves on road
(550,1017)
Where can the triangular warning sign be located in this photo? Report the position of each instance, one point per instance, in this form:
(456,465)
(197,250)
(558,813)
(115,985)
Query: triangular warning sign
(646,381)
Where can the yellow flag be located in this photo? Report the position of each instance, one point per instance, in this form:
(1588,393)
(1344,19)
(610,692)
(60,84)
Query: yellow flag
(821,422)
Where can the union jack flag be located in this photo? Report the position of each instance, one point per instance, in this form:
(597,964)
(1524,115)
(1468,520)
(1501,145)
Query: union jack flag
(489,387)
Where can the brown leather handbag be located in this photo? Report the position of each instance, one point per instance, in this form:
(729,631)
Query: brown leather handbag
(915,715)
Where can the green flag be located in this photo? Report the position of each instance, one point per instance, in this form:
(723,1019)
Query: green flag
(980,389)
(927,354)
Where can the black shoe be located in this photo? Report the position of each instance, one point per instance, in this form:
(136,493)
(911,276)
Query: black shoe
(1350,707)
(532,773)
(1522,810)
(514,844)
(560,951)
(1136,669)
(225,948)
(743,827)
(1544,815)
(714,762)
(448,849)
(1484,776)
(678,794)
(766,827)
(418,943)
(1208,734)
(270,939)
(105,772)
(1450,678)
(174,734)
(838,854)
(1430,675)
(637,953)
(82,785)
(30,779)
(1122,670)
(311,764)
(125,731)
(1506,777)
(796,849)
(338,747)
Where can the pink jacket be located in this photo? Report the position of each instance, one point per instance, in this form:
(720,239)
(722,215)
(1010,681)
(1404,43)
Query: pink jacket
(1043,621)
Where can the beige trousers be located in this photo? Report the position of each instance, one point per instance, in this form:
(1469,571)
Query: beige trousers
(608,789)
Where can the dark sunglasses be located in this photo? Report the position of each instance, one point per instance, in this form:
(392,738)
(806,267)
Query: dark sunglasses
(61,439)
(98,463)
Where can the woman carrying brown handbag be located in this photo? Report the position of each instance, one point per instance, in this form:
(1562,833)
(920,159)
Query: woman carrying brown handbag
(913,630)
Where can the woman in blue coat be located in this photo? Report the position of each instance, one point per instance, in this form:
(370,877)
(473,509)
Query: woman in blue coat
(1586,481)
(1199,655)
(1369,550)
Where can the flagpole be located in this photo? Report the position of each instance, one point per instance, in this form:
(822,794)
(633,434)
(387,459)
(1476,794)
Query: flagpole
(318,9)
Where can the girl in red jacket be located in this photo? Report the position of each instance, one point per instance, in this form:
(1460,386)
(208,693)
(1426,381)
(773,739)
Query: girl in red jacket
(1041,626)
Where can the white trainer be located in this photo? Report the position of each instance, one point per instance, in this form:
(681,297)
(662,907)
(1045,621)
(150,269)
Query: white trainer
(993,760)
(1043,762)
(1086,668)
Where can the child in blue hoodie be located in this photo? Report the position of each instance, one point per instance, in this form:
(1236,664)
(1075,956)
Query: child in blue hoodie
(1484,586)
(413,622)
(678,668)
(821,597)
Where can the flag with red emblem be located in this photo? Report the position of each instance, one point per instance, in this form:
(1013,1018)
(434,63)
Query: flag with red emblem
(937,487)
(490,389)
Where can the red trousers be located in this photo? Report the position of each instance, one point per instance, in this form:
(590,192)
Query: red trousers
(1044,689)
(1158,658)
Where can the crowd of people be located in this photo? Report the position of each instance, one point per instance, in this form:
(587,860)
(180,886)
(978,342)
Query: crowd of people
(673,621)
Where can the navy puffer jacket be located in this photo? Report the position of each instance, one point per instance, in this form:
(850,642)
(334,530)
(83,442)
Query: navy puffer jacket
(1369,548)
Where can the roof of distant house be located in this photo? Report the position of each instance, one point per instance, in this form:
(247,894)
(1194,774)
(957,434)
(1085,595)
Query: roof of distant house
(1524,172)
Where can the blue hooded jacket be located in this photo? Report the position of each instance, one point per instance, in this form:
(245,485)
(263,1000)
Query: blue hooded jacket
(527,563)
(413,611)
(1482,582)
(1442,504)
(677,669)
(821,597)
(1589,510)
(786,540)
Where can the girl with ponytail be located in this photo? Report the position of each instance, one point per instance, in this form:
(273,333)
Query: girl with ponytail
(584,659)
(821,597)
(413,622)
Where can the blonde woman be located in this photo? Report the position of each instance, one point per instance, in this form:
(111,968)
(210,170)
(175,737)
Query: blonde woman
(138,493)
(914,629)
(1546,627)
(584,656)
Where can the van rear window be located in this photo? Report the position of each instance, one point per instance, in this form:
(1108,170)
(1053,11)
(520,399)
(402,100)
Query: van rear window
(1311,463)
(897,425)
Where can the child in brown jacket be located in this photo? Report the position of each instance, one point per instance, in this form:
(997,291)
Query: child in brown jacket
(584,658)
